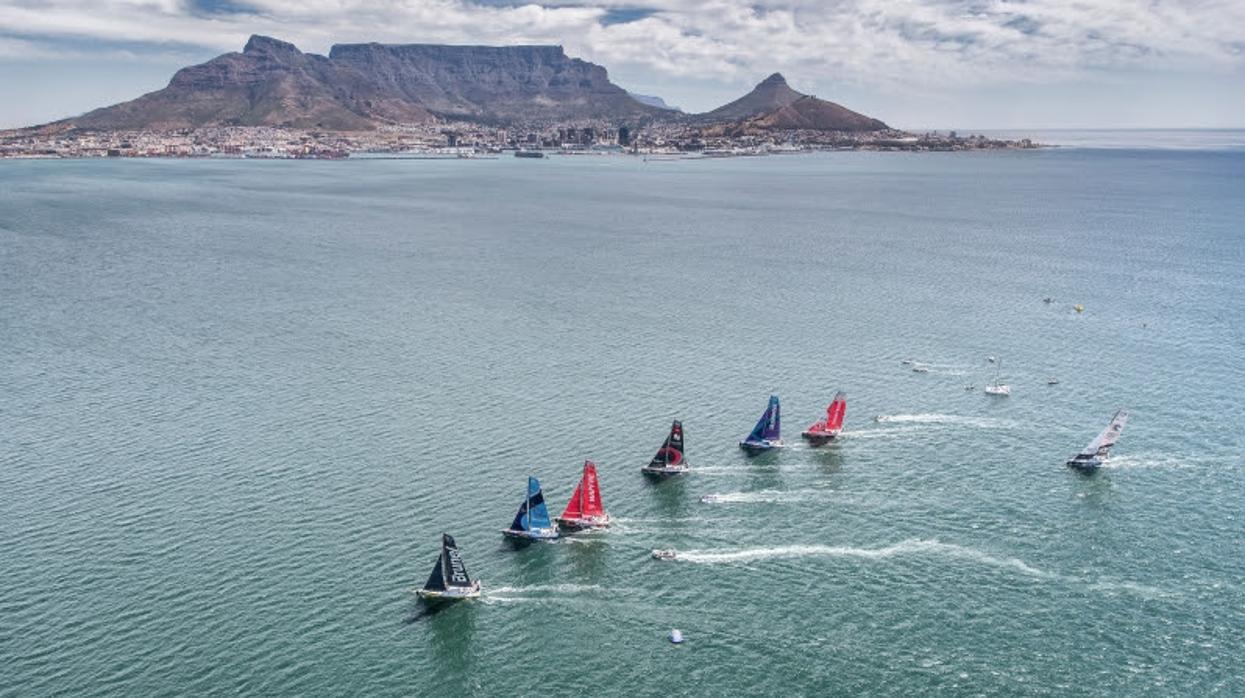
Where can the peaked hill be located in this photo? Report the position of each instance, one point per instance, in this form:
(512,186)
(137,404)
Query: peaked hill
(772,104)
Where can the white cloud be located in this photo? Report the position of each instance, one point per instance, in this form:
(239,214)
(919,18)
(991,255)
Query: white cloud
(898,43)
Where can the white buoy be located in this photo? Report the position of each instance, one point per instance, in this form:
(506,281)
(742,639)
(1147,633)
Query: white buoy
(676,636)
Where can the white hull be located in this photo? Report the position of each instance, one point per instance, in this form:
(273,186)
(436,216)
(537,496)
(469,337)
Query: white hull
(998,390)
(451,594)
(666,470)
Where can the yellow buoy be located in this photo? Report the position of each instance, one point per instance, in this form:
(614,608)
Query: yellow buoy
(1079,308)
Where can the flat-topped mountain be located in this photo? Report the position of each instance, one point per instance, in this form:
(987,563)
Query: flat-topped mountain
(360,86)
(492,83)
(270,83)
(773,105)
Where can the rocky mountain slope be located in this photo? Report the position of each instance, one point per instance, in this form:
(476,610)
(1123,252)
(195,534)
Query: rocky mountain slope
(773,105)
(360,86)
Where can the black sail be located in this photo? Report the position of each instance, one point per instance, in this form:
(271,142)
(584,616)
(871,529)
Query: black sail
(436,581)
(671,452)
(454,569)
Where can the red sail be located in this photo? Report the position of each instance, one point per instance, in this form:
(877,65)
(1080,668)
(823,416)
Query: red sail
(834,413)
(573,509)
(590,490)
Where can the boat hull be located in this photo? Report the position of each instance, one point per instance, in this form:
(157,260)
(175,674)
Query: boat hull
(664,471)
(550,533)
(451,594)
(588,524)
(1084,466)
(819,438)
(752,448)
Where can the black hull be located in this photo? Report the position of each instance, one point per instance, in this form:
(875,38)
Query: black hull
(818,439)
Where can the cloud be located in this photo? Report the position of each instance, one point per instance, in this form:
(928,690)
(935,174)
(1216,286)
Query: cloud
(893,42)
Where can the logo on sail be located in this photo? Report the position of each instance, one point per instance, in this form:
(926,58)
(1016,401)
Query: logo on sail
(458,571)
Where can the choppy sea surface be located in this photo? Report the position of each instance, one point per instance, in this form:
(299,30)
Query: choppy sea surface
(241,400)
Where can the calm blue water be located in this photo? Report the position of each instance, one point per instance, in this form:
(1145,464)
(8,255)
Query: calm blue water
(240,401)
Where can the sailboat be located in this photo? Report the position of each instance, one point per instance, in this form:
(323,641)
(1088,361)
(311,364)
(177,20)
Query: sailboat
(532,522)
(1099,449)
(669,459)
(767,433)
(585,510)
(997,388)
(449,580)
(826,430)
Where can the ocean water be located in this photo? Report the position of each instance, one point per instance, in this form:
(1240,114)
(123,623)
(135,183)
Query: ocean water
(240,401)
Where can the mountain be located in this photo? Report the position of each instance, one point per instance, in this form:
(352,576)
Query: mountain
(653,101)
(492,83)
(271,83)
(361,86)
(772,104)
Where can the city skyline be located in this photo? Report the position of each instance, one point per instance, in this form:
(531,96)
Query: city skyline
(922,64)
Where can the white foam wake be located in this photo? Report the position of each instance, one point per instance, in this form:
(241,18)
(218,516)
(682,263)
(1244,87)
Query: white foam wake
(536,592)
(546,589)
(916,547)
(951,419)
(1148,460)
(758,497)
(907,547)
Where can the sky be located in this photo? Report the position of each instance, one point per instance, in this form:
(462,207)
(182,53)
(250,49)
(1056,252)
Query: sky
(985,64)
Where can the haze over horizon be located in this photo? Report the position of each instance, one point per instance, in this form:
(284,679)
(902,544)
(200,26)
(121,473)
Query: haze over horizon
(918,64)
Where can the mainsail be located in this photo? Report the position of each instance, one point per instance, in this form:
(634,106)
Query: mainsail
(671,452)
(768,428)
(586,501)
(835,412)
(1100,447)
(533,513)
(450,571)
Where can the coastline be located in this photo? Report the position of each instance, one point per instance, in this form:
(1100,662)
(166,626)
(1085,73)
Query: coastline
(462,140)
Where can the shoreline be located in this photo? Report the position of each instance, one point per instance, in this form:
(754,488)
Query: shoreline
(456,140)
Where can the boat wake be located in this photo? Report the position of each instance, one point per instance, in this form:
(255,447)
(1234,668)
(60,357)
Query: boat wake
(948,419)
(1144,460)
(907,547)
(912,547)
(537,592)
(758,497)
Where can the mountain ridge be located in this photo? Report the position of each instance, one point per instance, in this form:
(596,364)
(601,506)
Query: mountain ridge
(363,86)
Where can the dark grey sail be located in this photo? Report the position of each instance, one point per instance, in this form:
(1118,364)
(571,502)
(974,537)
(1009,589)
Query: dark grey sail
(671,452)
(454,570)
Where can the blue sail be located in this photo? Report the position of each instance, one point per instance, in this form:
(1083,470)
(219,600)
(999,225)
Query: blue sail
(532,512)
(538,513)
(768,427)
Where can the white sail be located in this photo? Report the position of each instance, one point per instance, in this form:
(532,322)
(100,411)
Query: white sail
(1101,445)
